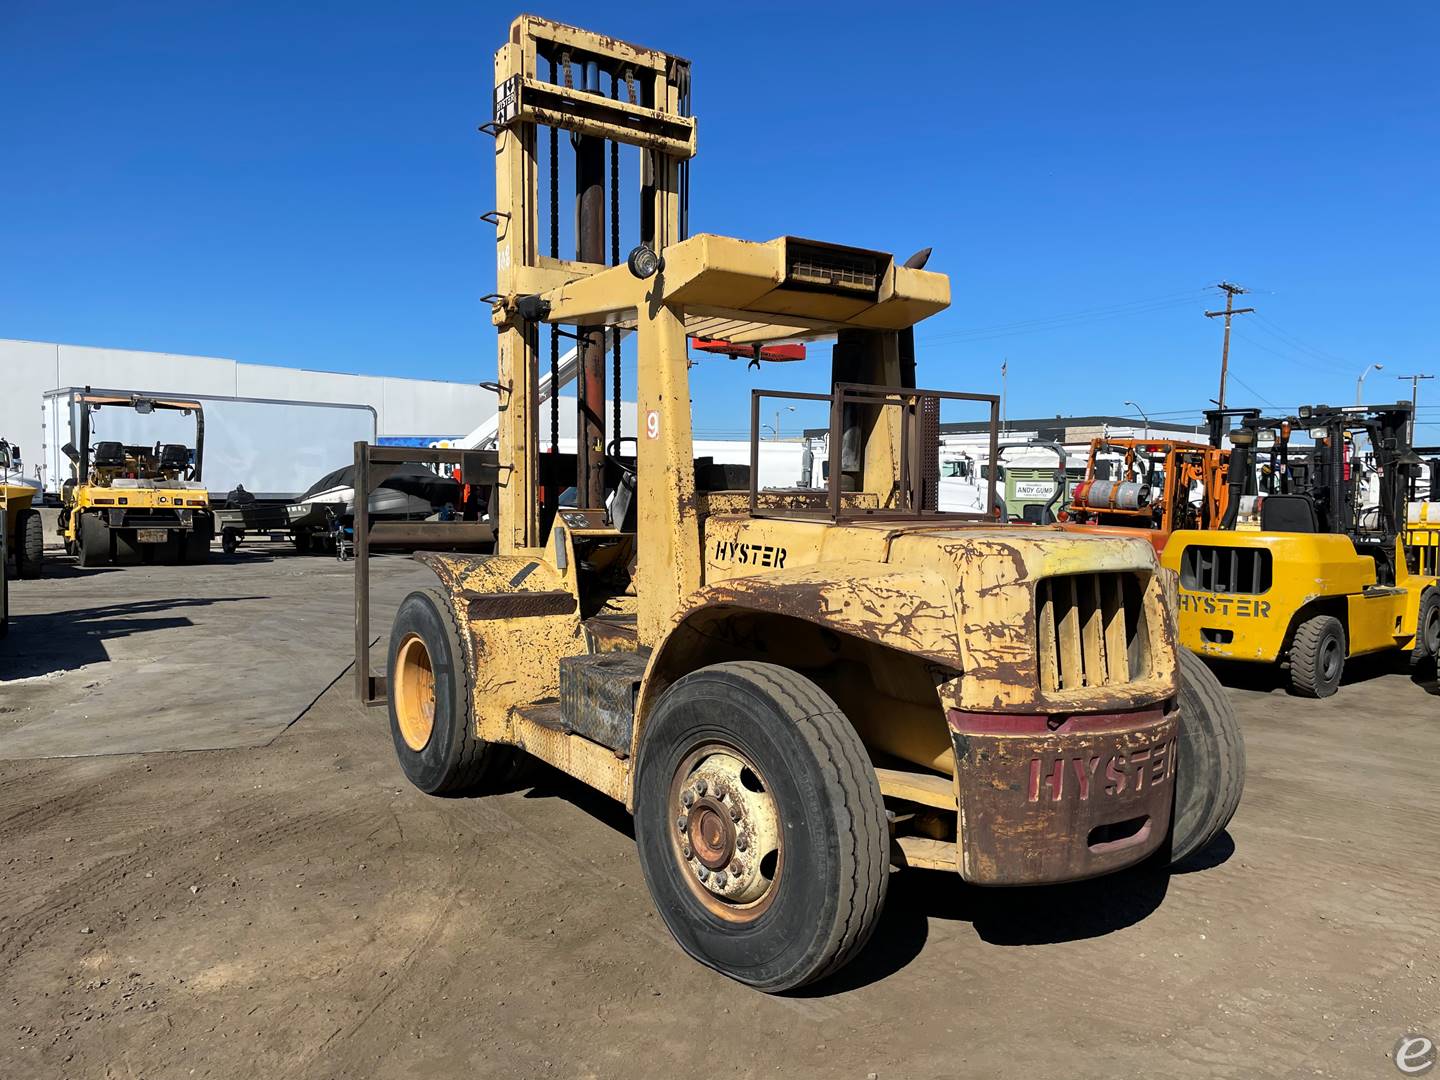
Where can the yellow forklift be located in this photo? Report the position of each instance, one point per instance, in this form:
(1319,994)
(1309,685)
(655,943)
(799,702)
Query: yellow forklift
(1325,577)
(792,690)
(4,575)
(135,503)
(24,531)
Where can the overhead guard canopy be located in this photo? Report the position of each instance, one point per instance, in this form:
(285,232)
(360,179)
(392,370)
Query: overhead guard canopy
(786,289)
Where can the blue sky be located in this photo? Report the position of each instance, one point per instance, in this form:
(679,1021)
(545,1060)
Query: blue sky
(301,183)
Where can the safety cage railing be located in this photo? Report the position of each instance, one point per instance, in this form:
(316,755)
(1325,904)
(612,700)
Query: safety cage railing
(858,411)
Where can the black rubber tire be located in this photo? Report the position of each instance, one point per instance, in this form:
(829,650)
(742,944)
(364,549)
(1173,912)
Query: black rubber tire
(1209,763)
(230,541)
(29,544)
(1317,657)
(301,540)
(195,544)
(93,541)
(1427,629)
(130,552)
(832,883)
(455,760)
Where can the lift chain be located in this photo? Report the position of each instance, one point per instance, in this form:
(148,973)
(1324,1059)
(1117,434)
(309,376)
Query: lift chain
(615,261)
(555,254)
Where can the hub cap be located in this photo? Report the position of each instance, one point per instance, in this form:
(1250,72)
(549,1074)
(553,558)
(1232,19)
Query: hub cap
(1330,660)
(726,831)
(414,693)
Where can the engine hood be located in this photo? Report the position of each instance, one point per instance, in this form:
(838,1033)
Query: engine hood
(968,598)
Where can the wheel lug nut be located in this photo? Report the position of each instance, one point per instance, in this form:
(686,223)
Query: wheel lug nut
(701,786)
(735,814)
(680,823)
(737,868)
(687,797)
(720,880)
(702,873)
(742,844)
(686,850)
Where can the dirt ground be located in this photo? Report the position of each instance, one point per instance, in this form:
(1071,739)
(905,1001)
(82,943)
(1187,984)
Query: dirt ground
(295,909)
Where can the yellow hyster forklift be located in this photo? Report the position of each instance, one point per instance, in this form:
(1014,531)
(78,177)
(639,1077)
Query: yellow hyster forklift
(791,690)
(135,503)
(24,531)
(1325,577)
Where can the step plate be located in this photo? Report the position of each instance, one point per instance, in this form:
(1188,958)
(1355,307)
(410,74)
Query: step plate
(597,696)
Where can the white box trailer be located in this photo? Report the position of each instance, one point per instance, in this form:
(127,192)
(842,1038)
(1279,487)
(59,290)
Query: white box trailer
(275,449)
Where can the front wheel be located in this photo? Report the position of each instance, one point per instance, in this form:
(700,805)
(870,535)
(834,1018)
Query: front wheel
(761,830)
(29,544)
(92,541)
(1210,760)
(195,544)
(432,717)
(1427,629)
(1317,657)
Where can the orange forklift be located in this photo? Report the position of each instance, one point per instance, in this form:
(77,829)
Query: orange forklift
(1163,484)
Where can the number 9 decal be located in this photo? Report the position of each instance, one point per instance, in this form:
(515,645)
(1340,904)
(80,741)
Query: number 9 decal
(652,424)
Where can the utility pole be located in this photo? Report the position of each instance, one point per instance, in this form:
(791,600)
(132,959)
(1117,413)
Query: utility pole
(1231,291)
(1414,398)
(1004,370)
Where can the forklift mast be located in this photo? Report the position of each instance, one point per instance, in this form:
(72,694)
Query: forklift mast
(605,95)
(1328,473)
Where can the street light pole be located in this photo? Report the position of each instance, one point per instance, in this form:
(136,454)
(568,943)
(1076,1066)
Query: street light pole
(1141,411)
(776,428)
(1360,382)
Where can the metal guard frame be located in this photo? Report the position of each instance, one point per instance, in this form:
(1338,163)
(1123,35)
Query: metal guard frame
(373,466)
(909,401)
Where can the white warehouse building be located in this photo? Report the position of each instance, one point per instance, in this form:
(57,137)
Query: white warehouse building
(405,409)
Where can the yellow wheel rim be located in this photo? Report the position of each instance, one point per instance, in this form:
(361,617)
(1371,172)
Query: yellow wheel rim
(414,693)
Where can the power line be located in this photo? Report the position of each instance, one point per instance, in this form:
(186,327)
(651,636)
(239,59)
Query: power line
(1046,322)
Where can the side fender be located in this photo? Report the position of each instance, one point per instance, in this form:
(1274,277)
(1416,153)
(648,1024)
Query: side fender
(906,609)
(519,619)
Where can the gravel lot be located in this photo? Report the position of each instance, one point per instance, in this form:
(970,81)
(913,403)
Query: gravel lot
(261,893)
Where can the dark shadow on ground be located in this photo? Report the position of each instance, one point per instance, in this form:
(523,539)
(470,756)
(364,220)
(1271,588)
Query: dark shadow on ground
(67,640)
(61,567)
(546,782)
(1272,678)
(1216,854)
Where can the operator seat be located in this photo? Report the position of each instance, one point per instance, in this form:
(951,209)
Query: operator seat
(1288,513)
(109,455)
(174,458)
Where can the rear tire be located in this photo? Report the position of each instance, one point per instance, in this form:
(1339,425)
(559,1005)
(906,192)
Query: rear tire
(230,541)
(195,544)
(811,791)
(1317,657)
(92,541)
(1427,629)
(1210,762)
(29,544)
(432,716)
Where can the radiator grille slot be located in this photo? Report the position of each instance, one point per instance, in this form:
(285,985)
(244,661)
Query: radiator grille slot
(1091,631)
(1225,569)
